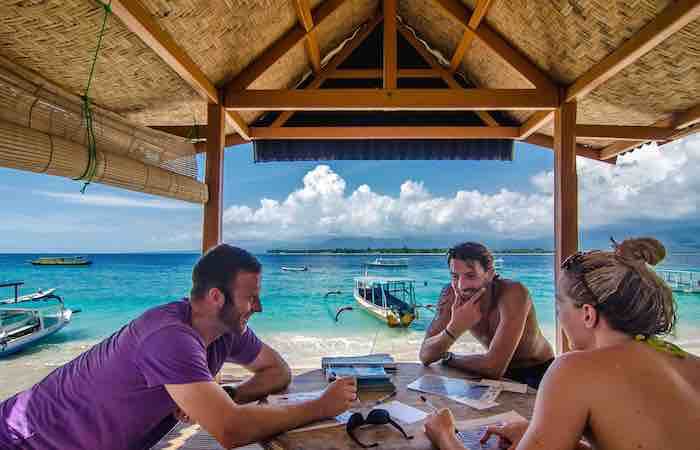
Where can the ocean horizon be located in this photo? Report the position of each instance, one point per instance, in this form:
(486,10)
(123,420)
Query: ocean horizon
(297,317)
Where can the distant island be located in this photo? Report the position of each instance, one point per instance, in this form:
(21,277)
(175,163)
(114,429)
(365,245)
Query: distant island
(399,251)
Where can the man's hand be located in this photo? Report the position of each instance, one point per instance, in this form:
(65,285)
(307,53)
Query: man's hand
(440,429)
(509,435)
(338,397)
(465,314)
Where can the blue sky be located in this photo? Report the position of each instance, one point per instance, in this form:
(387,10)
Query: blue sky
(289,202)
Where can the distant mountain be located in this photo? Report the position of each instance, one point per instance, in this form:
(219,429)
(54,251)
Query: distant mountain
(676,239)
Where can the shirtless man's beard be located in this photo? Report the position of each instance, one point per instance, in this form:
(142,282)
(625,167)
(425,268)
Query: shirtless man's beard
(465,294)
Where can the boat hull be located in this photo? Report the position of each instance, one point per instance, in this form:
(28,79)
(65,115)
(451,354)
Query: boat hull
(49,263)
(385,314)
(19,344)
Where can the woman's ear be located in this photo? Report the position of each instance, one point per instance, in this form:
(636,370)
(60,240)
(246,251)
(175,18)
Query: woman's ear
(590,316)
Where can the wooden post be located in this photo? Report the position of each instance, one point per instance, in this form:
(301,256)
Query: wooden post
(565,196)
(390,48)
(211,227)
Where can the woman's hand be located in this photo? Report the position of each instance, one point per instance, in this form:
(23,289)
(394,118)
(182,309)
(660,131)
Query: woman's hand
(509,435)
(440,429)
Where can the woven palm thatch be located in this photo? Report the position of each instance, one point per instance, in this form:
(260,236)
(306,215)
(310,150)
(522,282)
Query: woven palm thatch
(225,37)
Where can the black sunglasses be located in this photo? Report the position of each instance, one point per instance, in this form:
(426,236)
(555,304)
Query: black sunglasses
(375,417)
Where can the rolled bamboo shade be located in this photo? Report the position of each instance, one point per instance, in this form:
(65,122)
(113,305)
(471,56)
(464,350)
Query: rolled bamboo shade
(28,100)
(28,149)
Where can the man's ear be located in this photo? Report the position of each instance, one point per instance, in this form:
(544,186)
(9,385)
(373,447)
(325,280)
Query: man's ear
(590,316)
(216,296)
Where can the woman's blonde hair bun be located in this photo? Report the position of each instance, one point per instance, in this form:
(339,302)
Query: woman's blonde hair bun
(646,249)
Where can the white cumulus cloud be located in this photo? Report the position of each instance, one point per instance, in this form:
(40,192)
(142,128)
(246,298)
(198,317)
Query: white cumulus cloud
(649,184)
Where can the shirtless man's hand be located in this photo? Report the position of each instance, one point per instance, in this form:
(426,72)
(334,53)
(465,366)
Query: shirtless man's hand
(465,313)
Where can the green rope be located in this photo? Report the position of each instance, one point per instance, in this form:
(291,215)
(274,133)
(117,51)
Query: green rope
(91,167)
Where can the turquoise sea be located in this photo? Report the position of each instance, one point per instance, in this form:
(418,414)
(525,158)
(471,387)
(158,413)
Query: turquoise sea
(297,318)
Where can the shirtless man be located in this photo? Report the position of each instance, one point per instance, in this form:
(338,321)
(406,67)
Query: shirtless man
(496,311)
(622,388)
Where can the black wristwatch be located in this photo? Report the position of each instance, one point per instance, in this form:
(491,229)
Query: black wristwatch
(446,358)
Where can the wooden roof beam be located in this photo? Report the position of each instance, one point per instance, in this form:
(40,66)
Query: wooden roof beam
(353,74)
(385,132)
(277,50)
(623,133)
(499,45)
(687,118)
(673,18)
(390,99)
(335,61)
(482,7)
(677,120)
(445,74)
(390,53)
(140,22)
(312,48)
(543,140)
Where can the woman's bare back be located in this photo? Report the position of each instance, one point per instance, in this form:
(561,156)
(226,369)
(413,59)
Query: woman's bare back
(644,399)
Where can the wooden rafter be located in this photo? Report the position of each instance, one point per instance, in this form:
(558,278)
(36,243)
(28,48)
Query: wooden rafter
(534,123)
(445,74)
(687,118)
(390,99)
(140,22)
(390,53)
(277,50)
(542,140)
(312,48)
(499,45)
(334,62)
(385,132)
(482,7)
(623,133)
(673,18)
(679,121)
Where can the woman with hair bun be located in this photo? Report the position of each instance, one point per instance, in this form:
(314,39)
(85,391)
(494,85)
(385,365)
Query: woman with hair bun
(621,387)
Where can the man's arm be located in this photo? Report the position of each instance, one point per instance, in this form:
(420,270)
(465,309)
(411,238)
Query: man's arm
(270,374)
(514,307)
(236,425)
(436,341)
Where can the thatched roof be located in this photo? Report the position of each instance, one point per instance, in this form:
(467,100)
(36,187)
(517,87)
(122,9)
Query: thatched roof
(224,38)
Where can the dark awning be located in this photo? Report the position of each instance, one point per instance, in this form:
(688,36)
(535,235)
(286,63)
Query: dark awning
(382,149)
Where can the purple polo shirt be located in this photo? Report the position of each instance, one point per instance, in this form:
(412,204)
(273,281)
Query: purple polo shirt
(113,395)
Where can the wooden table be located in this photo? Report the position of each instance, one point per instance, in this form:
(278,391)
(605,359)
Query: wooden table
(187,437)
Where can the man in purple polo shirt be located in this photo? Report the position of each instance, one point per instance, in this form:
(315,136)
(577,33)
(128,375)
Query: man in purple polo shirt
(124,392)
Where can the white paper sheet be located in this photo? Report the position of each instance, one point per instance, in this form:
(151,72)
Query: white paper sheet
(403,412)
(509,386)
(471,431)
(466,392)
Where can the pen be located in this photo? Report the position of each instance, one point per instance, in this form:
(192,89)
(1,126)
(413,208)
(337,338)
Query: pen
(385,398)
(431,406)
(427,402)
